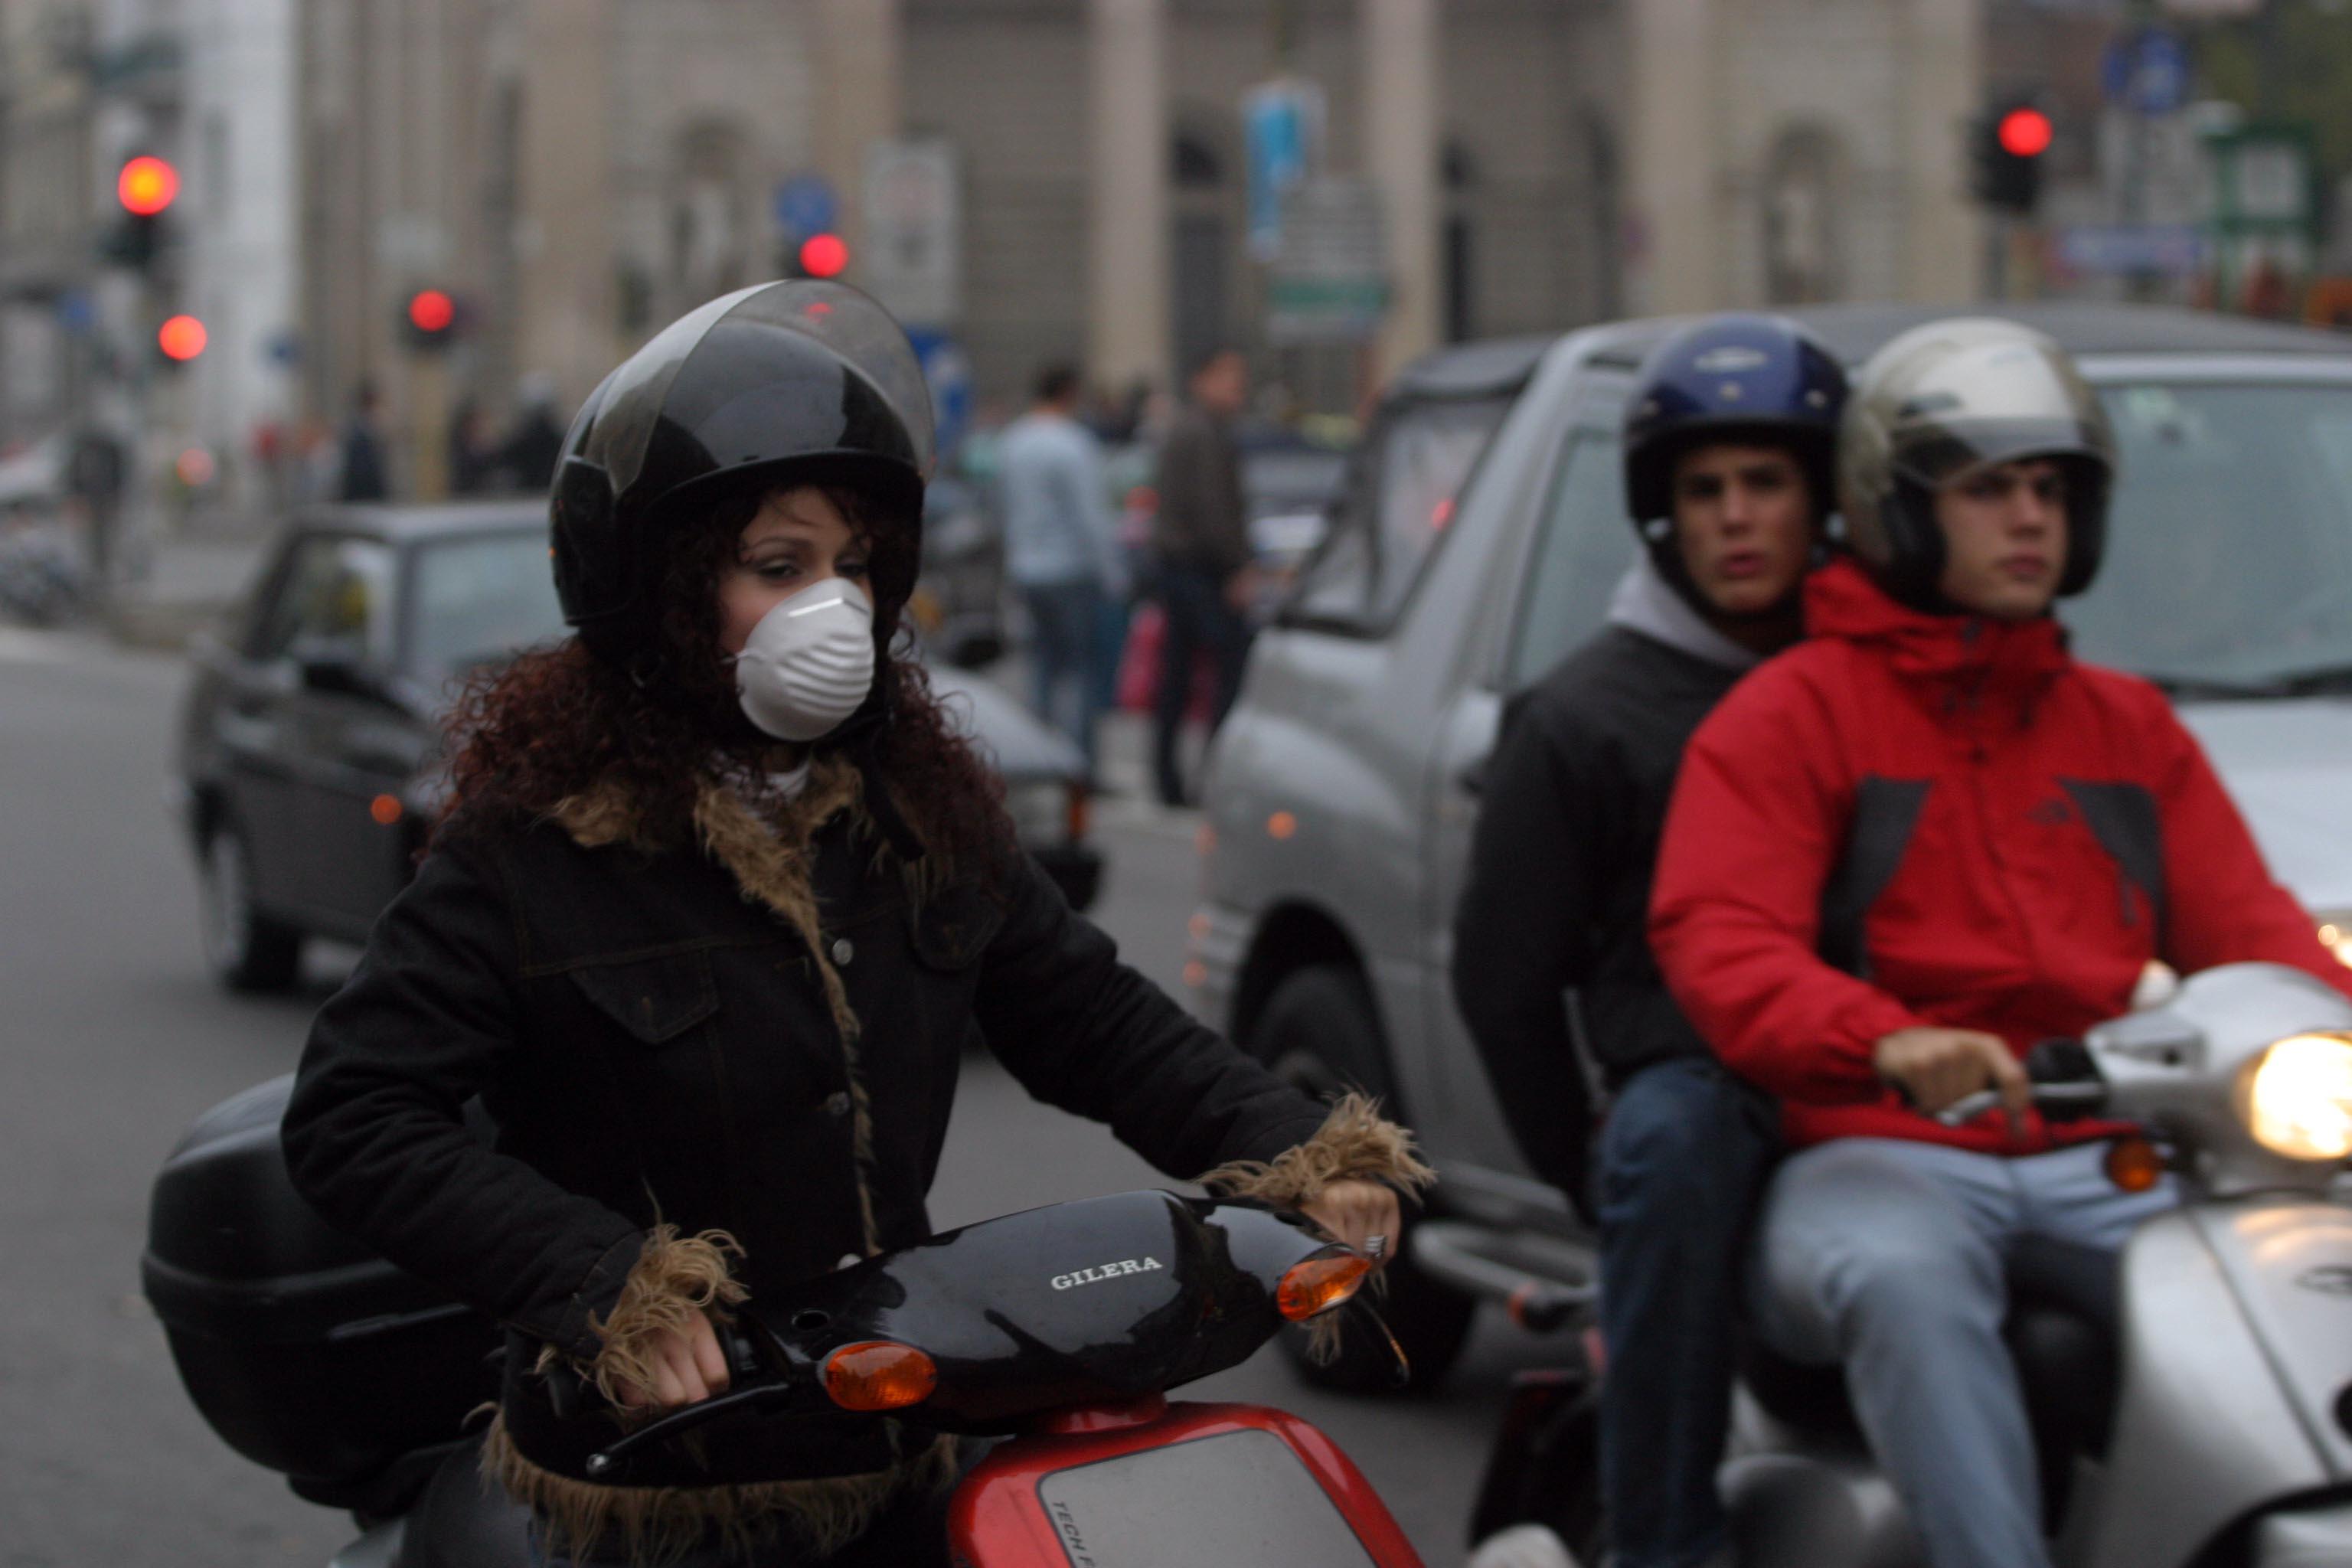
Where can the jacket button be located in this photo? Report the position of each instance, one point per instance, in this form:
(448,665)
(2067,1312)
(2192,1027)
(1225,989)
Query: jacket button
(837,1103)
(841,951)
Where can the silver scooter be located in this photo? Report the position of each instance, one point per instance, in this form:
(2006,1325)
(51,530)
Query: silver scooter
(2212,1430)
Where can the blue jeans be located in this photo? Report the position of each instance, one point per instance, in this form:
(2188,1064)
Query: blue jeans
(1683,1158)
(1895,1257)
(1068,620)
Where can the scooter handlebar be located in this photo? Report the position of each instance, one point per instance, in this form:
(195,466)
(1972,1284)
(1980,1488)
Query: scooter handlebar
(2079,1099)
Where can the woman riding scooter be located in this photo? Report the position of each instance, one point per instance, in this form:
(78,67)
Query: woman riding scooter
(719,901)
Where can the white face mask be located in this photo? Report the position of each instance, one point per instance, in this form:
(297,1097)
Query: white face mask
(809,663)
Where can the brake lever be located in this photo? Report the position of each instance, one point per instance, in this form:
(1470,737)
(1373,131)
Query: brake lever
(2075,1098)
(686,1418)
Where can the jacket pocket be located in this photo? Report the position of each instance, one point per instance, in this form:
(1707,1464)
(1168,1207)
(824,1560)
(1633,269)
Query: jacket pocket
(655,999)
(951,930)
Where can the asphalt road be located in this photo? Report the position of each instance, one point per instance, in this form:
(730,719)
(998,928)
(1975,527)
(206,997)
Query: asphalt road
(113,1038)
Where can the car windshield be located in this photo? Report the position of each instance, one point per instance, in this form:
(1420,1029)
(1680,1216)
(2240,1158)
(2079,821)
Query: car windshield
(2229,561)
(479,598)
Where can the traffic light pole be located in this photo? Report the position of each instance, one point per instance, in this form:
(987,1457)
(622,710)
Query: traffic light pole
(428,426)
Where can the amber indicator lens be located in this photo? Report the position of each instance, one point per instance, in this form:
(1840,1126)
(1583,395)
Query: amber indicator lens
(2134,1164)
(1320,1284)
(876,1375)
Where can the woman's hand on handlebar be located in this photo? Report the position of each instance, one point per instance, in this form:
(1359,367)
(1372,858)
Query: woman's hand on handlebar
(1356,1211)
(1938,1067)
(688,1367)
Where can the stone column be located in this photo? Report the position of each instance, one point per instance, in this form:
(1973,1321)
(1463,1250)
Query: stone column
(1128,237)
(1400,156)
(860,81)
(1942,238)
(563,241)
(1673,159)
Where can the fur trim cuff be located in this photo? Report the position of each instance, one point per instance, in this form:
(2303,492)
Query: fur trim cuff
(656,1525)
(1356,1142)
(674,1278)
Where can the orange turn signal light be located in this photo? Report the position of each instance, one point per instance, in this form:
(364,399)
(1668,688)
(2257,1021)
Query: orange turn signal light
(2134,1164)
(385,810)
(1320,1283)
(878,1375)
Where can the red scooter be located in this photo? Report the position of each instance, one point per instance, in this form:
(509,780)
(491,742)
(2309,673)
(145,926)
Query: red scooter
(1060,1329)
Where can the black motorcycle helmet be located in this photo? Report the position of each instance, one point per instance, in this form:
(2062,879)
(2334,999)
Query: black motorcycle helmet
(1732,377)
(797,382)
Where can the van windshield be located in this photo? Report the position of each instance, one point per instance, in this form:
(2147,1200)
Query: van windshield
(2229,560)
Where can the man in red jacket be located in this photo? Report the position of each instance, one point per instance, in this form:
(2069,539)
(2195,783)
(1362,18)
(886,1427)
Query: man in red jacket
(1905,850)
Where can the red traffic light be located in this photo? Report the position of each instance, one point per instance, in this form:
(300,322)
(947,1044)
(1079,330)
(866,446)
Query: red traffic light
(431,310)
(823,255)
(181,338)
(2024,133)
(146,186)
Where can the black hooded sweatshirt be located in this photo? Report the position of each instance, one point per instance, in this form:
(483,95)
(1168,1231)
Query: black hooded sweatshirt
(1558,894)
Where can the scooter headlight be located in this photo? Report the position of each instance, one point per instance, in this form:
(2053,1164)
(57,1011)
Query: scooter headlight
(2296,1097)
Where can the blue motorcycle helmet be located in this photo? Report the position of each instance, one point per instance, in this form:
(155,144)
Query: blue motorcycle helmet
(1733,377)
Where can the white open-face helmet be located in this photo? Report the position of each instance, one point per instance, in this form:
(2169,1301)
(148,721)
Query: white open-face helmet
(1944,400)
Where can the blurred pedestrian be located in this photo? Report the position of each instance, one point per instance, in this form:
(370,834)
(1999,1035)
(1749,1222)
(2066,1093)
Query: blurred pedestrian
(1061,550)
(94,476)
(529,453)
(362,476)
(471,457)
(1199,539)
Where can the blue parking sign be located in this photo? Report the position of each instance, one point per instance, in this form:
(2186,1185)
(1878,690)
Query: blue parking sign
(805,204)
(2148,72)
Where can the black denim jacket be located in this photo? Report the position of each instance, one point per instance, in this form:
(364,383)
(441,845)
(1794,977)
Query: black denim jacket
(655,1047)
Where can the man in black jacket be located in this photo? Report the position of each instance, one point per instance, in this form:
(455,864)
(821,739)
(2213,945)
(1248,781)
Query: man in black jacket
(1200,543)
(1729,445)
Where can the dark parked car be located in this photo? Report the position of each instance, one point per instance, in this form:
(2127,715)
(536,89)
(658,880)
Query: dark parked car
(309,743)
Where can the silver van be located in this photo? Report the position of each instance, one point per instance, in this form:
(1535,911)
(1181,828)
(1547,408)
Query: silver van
(1343,788)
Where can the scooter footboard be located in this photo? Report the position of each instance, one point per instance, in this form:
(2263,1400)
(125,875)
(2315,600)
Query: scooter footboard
(1232,1484)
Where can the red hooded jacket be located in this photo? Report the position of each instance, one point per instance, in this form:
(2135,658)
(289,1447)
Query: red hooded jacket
(1919,819)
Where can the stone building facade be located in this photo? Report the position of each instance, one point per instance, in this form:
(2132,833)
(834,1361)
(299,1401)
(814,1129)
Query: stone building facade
(577,172)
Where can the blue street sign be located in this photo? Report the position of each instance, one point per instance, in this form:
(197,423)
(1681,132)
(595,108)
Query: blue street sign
(2148,72)
(805,204)
(1278,125)
(948,372)
(77,312)
(2171,251)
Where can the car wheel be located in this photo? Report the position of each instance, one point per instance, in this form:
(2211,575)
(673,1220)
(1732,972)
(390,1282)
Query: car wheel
(246,949)
(1319,1033)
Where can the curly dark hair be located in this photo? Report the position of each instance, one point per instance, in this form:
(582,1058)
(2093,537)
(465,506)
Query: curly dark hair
(557,721)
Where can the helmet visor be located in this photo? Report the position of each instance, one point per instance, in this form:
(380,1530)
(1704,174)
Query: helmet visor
(1933,454)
